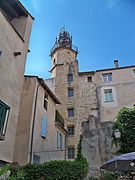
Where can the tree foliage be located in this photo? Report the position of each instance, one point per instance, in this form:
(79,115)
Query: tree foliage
(126,124)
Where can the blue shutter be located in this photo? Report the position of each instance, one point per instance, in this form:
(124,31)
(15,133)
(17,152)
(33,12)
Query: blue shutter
(63,142)
(58,140)
(43,127)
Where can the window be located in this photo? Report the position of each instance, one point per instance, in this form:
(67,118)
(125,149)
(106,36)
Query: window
(43,127)
(134,72)
(71,153)
(70,92)
(46,101)
(60,141)
(70,112)
(71,130)
(36,159)
(4,113)
(89,78)
(108,95)
(0,53)
(107,77)
(70,77)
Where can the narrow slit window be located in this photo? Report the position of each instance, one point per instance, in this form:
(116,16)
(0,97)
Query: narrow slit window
(46,101)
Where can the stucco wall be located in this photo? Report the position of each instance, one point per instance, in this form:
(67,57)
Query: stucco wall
(11,78)
(46,147)
(24,125)
(123,88)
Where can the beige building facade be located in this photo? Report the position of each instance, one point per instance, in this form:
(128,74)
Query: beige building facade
(90,100)
(15,28)
(40,127)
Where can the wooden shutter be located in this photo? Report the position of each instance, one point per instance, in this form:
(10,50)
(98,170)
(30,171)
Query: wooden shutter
(58,139)
(63,142)
(43,127)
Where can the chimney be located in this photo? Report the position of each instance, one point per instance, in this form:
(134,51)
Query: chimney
(116,63)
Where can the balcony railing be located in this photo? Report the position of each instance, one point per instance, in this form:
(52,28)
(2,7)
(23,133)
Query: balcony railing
(48,155)
(59,119)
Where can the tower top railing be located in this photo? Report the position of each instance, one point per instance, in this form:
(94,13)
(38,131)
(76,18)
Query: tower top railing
(74,48)
(63,40)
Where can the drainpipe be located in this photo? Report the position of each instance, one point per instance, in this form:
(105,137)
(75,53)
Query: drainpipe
(33,124)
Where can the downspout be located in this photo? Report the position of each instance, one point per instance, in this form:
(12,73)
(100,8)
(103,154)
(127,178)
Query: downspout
(33,124)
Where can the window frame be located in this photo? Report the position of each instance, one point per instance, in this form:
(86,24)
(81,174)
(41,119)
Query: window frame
(60,140)
(70,77)
(70,92)
(108,95)
(69,110)
(36,159)
(89,78)
(3,128)
(106,77)
(45,101)
(71,155)
(71,130)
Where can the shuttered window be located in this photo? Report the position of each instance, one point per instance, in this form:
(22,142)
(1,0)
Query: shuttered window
(60,141)
(4,112)
(43,127)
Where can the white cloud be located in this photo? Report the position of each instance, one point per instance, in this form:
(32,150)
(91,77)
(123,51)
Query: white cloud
(112,4)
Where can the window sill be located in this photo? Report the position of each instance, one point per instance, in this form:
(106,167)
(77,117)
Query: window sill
(108,101)
(2,137)
(107,82)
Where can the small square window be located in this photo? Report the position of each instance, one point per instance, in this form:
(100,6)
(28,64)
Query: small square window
(71,130)
(107,77)
(108,95)
(71,112)
(4,113)
(70,77)
(70,92)
(71,153)
(36,159)
(89,78)
(46,101)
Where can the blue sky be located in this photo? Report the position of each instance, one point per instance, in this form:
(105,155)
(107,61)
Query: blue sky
(103,30)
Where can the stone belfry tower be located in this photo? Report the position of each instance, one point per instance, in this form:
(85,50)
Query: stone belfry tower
(65,75)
